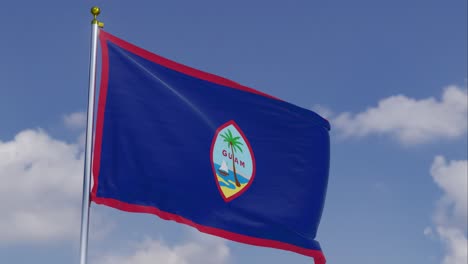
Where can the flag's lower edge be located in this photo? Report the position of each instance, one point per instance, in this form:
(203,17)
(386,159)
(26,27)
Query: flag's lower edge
(318,256)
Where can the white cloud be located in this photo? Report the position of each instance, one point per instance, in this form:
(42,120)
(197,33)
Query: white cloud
(452,178)
(40,190)
(200,250)
(456,245)
(450,216)
(410,120)
(75,120)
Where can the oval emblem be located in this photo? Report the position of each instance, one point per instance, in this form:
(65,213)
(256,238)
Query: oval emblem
(232,160)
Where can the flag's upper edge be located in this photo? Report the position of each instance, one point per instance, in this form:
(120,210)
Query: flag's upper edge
(104,36)
(178,66)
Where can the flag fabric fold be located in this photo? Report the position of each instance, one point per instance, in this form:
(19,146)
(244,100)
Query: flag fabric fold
(201,150)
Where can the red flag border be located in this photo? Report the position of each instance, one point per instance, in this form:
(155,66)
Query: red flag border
(104,37)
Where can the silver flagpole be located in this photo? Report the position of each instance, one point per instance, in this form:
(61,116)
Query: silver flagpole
(89,138)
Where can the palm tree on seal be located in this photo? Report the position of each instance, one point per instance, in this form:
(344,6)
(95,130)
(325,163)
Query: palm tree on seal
(234,144)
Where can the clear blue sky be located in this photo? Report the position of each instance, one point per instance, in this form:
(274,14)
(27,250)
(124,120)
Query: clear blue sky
(343,56)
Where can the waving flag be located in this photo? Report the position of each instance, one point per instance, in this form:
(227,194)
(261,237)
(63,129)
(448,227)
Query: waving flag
(207,152)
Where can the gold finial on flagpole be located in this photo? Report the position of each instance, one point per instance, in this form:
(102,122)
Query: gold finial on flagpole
(96,11)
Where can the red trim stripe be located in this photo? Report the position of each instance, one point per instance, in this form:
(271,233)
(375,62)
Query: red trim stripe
(101,108)
(104,37)
(316,254)
(179,67)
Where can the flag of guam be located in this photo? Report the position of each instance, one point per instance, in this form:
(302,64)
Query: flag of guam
(201,150)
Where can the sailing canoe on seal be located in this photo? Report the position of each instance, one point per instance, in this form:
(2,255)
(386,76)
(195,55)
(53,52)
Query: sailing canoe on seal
(223,170)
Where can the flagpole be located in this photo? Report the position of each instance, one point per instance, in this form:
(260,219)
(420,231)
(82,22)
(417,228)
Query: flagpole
(95,11)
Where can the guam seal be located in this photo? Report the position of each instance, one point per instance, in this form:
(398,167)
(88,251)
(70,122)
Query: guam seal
(232,160)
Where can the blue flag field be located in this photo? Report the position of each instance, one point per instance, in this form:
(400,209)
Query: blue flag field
(201,150)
